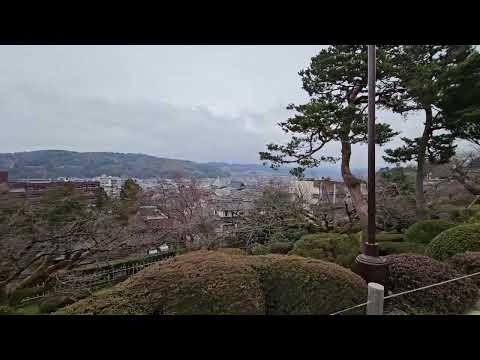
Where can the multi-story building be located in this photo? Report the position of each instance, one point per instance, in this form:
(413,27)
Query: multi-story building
(111,185)
(31,189)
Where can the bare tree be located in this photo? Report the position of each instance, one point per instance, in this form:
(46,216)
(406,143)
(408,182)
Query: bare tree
(32,250)
(276,213)
(187,212)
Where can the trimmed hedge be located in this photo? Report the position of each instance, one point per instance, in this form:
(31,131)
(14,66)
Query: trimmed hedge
(232,251)
(408,272)
(337,248)
(260,249)
(294,285)
(280,247)
(467,263)
(389,248)
(211,282)
(458,239)
(424,231)
(199,282)
(393,237)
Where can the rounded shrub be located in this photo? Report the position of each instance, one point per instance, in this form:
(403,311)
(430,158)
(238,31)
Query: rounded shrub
(295,285)
(389,248)
(337,248)
(199,282)
(260,249)
(467,263)
(424,231)
(408,272)
(280,247)
(232,251)
(471,215)
(212,282)
(458,239)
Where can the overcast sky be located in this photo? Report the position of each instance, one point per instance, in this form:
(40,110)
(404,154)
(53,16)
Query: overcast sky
(201,103)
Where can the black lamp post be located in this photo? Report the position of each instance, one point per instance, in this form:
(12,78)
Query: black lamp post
(369,265)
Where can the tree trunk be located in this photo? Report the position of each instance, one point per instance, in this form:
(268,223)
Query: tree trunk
(353,185)
(421,160)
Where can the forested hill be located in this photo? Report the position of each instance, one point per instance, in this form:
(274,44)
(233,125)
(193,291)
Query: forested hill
(61,163)
(57,163)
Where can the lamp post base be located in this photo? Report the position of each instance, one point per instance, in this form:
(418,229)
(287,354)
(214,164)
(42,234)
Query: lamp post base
(371,268)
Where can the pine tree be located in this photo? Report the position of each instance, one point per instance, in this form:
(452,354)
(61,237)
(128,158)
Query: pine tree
(460,103)
(336,82)
(422,73)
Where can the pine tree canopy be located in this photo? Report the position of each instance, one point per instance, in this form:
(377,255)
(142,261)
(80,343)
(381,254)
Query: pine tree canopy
(336,81)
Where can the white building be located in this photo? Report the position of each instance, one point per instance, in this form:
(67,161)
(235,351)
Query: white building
(323,190)
(112,185)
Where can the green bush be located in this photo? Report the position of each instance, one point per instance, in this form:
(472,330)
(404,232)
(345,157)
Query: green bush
(458,239)
(260,249)
(388,248)
(471,215)
(6,310)
(212,282)
(446,212)
(196,283)
(280,247)
(408,272)
(394,237)
(467,263)
(288,236)
(337,248)
(424,231)
(347,229)
(297,286)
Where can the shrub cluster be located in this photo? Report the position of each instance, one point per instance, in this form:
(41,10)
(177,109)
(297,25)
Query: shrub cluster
(232,251)
(467,263)
(337,248)
(212,282)
(280,247)
(260,249)
(446,212)
(389,248)
(471,215)
(424,231)
(393,237)
(291,235)
(408,272)
(458,239)
(294,285)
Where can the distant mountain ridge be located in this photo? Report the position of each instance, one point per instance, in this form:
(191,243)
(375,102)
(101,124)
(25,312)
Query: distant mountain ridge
(63,163)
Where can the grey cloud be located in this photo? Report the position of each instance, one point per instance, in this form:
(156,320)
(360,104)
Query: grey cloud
(38,119)
(203,103)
